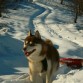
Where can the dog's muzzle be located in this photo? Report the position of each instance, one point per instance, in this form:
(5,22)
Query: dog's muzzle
(28,53)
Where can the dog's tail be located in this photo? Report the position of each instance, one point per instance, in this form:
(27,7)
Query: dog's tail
(49,42)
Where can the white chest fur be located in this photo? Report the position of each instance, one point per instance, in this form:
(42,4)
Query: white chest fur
(35,67)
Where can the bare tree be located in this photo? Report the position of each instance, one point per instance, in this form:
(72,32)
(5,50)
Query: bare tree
(30,1)
(61,1)
(16,0)
(78,7)
(2,5)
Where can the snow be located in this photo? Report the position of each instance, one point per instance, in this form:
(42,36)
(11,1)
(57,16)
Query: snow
(54,21)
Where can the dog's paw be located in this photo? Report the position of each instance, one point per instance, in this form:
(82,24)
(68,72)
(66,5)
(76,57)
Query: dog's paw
(28,78)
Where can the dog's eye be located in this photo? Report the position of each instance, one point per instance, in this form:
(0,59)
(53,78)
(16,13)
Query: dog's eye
(26,42)
(31,43)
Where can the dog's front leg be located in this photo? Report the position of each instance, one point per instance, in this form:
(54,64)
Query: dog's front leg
(49,73)
(48,78)
(36,78)
(33,77)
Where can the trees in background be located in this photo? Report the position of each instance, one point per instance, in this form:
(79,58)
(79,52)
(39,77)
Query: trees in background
(61,1)
(30,1)
(16,0)
(78,7)
(2,6)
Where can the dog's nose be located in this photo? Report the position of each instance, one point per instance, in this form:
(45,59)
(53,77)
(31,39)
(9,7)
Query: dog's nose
(24,49)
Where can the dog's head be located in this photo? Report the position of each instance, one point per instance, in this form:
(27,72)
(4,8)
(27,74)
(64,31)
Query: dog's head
(33,47)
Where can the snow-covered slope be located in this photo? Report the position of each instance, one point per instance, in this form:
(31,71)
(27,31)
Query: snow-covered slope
(53,22)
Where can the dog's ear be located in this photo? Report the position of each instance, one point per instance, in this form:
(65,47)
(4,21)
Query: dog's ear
(37,34)
(29,33)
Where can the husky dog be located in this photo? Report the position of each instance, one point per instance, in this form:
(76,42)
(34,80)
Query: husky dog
(42,56)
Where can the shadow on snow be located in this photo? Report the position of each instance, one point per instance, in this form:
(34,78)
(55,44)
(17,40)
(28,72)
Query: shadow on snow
(11,55)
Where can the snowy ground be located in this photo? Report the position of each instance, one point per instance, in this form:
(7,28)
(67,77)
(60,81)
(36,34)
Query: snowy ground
(53,22)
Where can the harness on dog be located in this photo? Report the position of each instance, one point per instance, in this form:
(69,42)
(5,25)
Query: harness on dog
(44,64)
